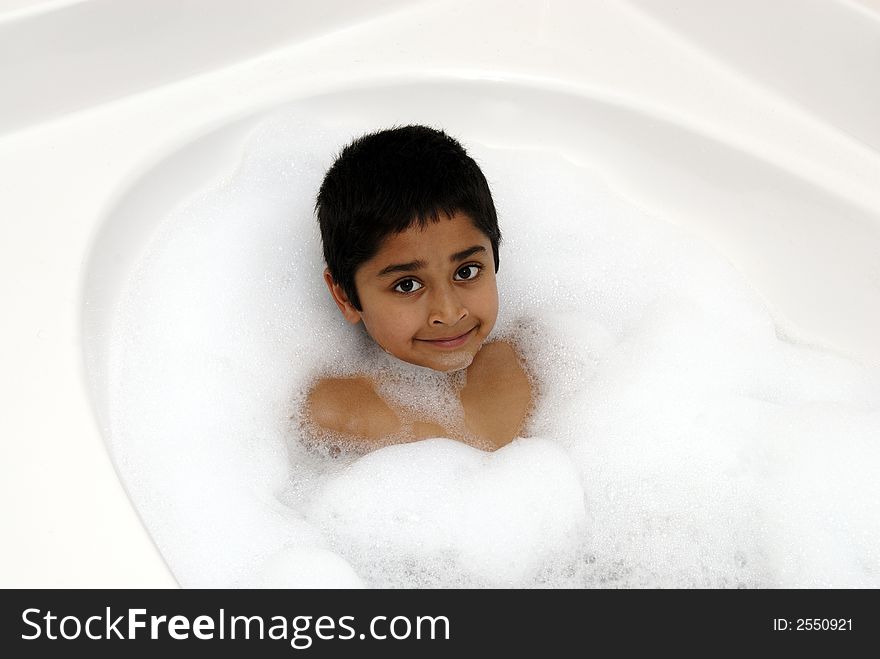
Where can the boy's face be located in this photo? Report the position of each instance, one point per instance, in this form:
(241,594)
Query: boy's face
(428,296)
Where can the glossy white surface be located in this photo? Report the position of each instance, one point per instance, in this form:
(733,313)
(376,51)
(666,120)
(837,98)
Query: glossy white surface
(776,165)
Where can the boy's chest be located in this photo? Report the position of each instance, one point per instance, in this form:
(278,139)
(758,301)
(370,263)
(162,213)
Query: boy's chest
(491,410)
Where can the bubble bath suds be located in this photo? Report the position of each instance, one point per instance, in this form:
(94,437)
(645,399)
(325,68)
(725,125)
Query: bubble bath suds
(676,440)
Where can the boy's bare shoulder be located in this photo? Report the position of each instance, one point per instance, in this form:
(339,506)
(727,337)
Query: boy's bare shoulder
(500,358)
(350,407)
(498,395)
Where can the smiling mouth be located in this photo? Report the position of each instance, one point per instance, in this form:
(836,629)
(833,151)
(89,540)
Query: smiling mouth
(451,342)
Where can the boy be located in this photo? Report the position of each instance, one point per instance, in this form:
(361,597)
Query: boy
(410,238)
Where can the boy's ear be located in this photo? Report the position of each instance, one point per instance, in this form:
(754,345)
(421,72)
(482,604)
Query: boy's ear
(351,314)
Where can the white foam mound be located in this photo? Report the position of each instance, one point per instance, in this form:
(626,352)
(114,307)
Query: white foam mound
(442,508)
(677,441)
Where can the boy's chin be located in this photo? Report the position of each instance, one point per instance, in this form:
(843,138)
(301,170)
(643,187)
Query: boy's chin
(442,363)
(451,362)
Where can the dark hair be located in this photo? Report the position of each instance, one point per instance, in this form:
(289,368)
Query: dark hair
(384,182)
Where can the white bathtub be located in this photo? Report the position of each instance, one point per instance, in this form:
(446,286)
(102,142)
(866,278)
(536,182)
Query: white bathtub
(114,111)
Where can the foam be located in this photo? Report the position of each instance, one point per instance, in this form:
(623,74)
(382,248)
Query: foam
(675,439)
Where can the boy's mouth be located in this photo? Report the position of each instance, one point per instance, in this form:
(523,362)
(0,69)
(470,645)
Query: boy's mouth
(452,341)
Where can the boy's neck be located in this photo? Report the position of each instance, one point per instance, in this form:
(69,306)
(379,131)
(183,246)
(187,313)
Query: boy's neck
(417,389)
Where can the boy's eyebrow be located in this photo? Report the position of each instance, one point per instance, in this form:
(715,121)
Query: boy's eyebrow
(470,251)
(416,265)
(401,267)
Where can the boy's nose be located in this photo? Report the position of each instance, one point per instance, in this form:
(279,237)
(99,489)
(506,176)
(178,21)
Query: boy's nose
(447,308)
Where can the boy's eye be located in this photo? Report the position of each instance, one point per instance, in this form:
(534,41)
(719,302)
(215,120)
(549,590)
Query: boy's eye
(468,272)
(407,286)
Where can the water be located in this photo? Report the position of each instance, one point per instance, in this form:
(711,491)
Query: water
(676,441)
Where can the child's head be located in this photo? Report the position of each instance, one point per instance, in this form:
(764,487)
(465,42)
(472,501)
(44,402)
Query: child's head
(411,238)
